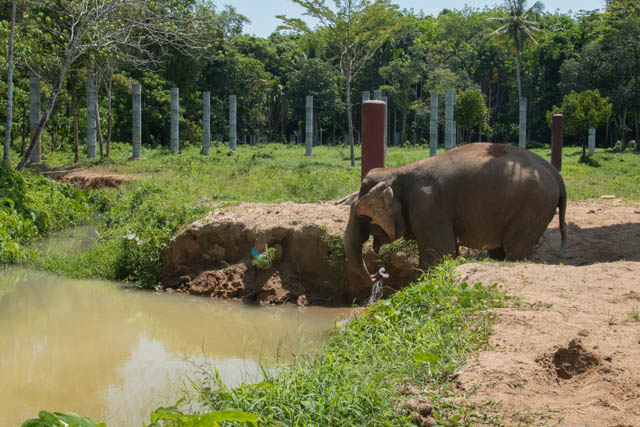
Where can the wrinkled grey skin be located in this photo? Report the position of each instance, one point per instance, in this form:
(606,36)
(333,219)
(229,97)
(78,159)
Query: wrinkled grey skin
(484,196)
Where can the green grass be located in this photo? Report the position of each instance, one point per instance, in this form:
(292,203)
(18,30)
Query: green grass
(610,173)
(420,336)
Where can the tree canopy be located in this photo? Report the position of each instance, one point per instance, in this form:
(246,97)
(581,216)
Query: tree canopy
(358,45)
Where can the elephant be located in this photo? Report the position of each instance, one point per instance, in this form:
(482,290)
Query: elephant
(489,196)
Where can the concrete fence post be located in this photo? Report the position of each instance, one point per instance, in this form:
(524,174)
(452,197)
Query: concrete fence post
(34,113)
(206,123)
(592,141)
(433,125)
(175,120)
(309,125)
(91,120)
(373,150)
(522,140)
(556,140)
(233,123)
(449,129)
(136,121)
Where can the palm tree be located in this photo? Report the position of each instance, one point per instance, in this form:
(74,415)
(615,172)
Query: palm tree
(519,27)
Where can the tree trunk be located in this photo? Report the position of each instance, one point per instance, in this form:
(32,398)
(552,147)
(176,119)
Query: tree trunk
(518,69)
(403,128)
(23,135)
(7,132)
(109,88)
(47,112)
(74,113)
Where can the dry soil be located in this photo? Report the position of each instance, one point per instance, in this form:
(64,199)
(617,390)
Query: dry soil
(566,350)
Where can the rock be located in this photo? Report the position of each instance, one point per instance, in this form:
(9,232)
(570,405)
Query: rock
(608,196)
(302,301)
(184,279)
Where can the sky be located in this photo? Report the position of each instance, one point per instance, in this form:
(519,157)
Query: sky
(263,21)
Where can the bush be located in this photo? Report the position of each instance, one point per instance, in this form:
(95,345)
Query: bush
(31,206)
(143,221)
(15,233)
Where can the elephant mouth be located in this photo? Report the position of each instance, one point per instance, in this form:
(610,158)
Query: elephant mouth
(376,245)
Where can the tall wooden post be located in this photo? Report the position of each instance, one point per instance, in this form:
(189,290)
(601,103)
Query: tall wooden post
(136,121)
(309,125)
(233,136)
(91,120)
(175,120)
(433,125)
(34,113)
(206,122)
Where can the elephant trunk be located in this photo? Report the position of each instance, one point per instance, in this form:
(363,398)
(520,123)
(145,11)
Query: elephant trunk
(358,279)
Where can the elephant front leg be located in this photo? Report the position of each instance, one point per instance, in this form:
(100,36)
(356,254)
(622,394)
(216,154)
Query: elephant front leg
(436,242)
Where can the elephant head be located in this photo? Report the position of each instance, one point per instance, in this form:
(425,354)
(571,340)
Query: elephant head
(377,211)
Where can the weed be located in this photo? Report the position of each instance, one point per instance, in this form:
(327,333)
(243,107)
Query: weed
(264,260)
(635,314)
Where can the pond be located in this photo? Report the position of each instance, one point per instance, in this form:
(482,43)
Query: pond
(114,354)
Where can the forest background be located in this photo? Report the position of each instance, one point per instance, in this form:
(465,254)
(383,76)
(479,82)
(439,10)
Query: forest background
(196,46)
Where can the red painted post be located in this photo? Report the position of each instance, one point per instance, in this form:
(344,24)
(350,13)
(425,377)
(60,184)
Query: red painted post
(556,141)
(373,118)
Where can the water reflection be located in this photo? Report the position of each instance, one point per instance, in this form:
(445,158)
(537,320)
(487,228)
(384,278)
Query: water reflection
(114,354)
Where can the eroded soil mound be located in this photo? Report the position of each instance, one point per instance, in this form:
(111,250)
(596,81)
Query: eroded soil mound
(213,256)
(568,349)
(87,180)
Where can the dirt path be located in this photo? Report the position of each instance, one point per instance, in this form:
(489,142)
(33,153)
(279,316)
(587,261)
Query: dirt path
(567,351)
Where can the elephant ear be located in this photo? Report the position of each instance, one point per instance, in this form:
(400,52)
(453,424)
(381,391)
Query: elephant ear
(377,205)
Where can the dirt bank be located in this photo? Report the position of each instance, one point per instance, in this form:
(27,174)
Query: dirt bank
(568,349)
(87,180)
(213,257)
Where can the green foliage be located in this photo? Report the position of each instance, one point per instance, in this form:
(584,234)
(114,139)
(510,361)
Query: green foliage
(265,259)
(582,110)
(57,419)
(142,221)
(31,206)
(471,111)
(421,335)
(13,187)
(15,233)
(335,248)
(172,417)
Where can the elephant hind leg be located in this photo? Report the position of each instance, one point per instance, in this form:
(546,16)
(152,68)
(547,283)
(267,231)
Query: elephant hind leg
(520,238)
(497,254)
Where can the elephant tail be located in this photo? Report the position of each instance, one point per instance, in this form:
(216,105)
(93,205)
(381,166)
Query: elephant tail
(562,206)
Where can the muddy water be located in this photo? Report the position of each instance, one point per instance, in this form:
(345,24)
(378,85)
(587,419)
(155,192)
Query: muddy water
(115,354)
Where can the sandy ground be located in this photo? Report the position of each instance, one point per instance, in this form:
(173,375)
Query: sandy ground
(567,349)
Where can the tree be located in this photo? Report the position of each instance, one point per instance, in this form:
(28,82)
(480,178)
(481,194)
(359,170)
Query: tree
(402,74)
(583,110)
(352,34)
(312,77)
(519,27)
(470,111)
(7,136)
(74,28)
